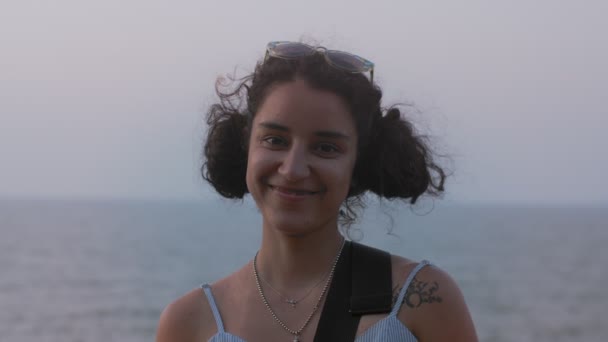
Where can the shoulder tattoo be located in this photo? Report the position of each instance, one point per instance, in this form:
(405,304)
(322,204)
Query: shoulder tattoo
(418,293)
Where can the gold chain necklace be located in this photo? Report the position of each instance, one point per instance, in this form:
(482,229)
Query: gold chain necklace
(295,333)
(290,301)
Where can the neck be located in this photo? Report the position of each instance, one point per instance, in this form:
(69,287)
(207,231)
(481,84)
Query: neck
(297,262)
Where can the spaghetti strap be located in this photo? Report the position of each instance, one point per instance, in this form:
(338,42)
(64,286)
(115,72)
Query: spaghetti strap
(214,309)
(407,283)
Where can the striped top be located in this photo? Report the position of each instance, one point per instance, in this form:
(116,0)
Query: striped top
(388,329)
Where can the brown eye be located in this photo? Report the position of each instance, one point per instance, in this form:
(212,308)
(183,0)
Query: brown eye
(274,141)
(327,149)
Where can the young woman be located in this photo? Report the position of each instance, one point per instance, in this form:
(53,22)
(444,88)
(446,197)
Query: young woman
(307,137)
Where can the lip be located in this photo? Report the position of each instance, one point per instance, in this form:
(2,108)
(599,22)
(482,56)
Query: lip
(292,194)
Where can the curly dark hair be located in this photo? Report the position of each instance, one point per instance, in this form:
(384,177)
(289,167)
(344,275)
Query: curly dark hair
(393,161)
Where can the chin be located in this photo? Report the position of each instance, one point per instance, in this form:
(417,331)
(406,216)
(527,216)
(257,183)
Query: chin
(296,225)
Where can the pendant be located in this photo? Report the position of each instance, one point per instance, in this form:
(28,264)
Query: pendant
(296,338)
(292,302)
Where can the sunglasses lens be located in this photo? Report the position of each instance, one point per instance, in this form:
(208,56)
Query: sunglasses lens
(347,61)
(291,50)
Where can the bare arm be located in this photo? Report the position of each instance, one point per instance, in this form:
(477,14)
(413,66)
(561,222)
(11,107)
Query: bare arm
(435,308)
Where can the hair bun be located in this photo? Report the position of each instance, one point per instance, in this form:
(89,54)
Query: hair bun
(393,113)
(397,160)
(226,154)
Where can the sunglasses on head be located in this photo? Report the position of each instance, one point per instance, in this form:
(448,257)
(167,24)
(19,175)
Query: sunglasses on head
(338,59)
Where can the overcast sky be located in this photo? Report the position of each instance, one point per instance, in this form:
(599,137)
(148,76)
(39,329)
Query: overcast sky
(106,98)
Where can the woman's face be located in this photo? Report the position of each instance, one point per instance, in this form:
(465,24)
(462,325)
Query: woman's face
(302,152)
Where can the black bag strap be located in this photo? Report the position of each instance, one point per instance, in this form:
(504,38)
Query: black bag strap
(371,281)
(336,323)
(361,285)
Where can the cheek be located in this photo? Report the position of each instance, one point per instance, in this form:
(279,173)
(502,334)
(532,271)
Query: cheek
(347,177)
(248,179)
(250,175)
(258,166)
(250,172)
(341,177)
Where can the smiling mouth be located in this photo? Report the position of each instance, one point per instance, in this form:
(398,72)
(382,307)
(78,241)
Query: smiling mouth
(293,192)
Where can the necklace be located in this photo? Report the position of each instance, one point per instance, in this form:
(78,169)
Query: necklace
(294,302)
(295,333)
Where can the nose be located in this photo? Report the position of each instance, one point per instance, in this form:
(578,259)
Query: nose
(295,164)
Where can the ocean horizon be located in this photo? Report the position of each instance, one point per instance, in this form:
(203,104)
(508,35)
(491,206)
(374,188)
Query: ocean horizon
(103,270)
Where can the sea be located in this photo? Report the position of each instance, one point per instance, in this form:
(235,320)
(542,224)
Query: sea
(103,270)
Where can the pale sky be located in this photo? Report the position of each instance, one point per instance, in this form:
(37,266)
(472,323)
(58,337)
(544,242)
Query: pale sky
(107,98)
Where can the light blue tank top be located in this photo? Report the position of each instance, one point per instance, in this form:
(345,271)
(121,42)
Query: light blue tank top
(388,329)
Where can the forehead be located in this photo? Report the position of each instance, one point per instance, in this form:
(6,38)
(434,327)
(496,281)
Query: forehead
(299,106)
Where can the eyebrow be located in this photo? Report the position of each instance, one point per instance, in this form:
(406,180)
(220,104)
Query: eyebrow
(323,134)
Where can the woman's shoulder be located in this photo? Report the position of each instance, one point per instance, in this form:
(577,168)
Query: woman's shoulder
(433,306)
(189,318)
